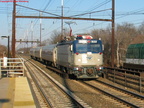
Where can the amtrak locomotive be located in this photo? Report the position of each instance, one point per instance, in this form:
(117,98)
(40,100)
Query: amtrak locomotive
(82,57)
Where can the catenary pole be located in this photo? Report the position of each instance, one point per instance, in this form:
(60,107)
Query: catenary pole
(62,14)
(13,28)
(113,33)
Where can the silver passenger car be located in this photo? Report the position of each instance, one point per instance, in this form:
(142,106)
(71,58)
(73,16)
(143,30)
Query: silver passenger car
(49,54)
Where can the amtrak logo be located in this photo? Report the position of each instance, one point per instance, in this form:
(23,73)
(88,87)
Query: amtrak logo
(89,57)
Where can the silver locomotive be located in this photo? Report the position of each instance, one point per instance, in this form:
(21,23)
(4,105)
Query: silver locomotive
(82,57)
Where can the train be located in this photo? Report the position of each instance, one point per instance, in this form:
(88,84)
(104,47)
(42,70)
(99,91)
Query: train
(135,57)
(81,57)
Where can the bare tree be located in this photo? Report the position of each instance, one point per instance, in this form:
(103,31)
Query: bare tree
(124,34)
(3,50)
(45,42)
(105,36)
(57,36)
(141,29)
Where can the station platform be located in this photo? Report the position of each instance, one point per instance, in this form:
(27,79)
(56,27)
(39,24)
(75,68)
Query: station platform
(15,93)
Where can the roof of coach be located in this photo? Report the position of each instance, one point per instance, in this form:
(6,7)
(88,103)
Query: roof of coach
(135,51)
(139,45)
(64,42)
(49,46)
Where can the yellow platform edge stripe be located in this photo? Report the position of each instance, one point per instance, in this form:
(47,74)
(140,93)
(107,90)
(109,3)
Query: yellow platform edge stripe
(23,97)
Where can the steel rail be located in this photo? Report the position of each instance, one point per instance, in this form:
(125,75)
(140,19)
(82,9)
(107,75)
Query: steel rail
(123,90)
(38,87)
(77,100)
(111,95)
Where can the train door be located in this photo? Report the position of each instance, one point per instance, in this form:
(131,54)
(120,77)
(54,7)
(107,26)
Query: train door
(70,55)
(55,56)
(40,54)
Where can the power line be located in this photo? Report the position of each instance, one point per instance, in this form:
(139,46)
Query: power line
(99,5)
(38,10)
(90,12)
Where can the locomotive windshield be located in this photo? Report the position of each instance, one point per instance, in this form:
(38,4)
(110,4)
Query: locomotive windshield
(84,48)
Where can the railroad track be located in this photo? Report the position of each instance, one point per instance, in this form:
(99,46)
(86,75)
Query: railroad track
(55,95)
(132,79)
(117,98)
(128,98)
(137,99)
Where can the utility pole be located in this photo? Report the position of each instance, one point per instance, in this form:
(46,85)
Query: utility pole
(8,37)
(13,28)
(32,33)
(62,14)
(8,47)
(113,33)
(40,29)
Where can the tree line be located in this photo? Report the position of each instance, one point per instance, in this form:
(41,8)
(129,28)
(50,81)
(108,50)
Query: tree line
(3,51)
(125,34)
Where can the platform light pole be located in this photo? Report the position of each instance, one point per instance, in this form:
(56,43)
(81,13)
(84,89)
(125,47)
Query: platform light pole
(8,44)
(62,15)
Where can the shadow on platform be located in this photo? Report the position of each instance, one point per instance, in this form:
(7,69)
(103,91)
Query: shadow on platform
(4,100)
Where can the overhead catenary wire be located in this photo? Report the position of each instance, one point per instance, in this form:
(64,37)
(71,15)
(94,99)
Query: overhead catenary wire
(38,10)
(96,6)
(90,12)
(96,11)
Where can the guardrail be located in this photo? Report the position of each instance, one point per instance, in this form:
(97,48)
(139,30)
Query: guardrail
(11,67)
(128,78)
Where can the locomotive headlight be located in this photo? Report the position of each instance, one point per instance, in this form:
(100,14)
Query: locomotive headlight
(79,60)
(100,68)
(75,68)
